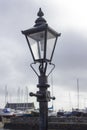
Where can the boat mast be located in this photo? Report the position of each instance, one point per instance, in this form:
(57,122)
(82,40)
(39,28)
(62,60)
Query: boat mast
(52,89)
(6,95)
(78,94)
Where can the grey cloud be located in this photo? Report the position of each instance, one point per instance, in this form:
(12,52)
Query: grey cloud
(71,51)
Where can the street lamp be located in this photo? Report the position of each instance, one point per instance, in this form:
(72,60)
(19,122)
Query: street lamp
(42,40)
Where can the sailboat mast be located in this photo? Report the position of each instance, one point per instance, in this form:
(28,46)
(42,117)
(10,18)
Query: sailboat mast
(78,94)
(52,86)
(6,95)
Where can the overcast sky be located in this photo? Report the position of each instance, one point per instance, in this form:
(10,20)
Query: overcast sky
(66,17)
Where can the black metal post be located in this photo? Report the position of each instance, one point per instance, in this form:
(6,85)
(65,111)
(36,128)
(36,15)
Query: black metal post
(43,98)
(43,115)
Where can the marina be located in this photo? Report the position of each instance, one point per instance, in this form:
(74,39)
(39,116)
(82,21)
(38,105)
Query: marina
(60,121)
(25,115)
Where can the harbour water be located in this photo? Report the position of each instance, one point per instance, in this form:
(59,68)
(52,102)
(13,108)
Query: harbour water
(9,129)
(19,129)
(24,129)
(38,129)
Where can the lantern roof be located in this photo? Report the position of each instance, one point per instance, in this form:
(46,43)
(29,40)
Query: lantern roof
(40,25)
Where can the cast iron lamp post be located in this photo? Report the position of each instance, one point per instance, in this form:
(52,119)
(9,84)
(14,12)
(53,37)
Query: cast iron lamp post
(42,40)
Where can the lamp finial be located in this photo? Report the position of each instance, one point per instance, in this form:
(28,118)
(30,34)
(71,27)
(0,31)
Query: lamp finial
(40,20)
(40,13)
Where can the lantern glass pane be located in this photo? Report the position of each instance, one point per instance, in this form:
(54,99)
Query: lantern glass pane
(50,45)
(36,41)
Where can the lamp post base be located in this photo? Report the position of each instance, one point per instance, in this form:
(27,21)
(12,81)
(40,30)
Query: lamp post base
(43,115)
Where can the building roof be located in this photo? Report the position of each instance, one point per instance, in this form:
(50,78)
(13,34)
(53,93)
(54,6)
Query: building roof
(20,106)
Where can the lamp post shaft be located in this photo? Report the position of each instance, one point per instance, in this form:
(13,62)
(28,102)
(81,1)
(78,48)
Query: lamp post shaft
(43,115)
(43,101)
